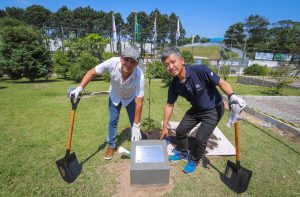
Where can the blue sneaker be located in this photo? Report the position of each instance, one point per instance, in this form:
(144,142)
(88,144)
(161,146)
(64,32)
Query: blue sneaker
(190,167)
(177,157)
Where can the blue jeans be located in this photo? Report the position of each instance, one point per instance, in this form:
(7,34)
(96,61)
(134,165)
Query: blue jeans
(114,114)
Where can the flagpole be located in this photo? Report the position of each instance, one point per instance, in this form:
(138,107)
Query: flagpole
(154,36)
(177,30)
(113,26)
(134,28)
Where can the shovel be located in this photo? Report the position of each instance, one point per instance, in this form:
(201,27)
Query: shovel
(236,177)
(68,166)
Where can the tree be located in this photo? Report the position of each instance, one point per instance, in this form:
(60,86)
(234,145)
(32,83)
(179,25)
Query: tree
(162,22)
(93,44)
(184,41)
(204,40)
(257,29)
(197,39)
(24,54)
(10,22)
(145,29)
(61,63)
(89,50)
(14,12)
(61,22)
(173,27)
(83,63)
(235,35)
(84,19)
(2,13)
(284,36)
(37,15)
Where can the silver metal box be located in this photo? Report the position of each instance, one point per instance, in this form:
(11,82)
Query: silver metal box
(149,162)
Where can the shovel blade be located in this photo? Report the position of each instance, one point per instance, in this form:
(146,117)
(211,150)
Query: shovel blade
(236,177)
(69,168)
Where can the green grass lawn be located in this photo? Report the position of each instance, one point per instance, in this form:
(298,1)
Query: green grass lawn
(212,52)
(34,124)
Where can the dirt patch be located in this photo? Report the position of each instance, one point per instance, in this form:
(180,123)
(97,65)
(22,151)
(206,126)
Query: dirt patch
(124,188)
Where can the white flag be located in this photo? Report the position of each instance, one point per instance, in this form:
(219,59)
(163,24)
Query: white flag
(154,31)
(178,30)
(114,28)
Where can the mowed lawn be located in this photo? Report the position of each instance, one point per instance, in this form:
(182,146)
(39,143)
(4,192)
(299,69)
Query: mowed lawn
(34,124)
(211,52)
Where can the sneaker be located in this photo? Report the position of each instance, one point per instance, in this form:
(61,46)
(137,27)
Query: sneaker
(109,153)
(177,157)
(190,167)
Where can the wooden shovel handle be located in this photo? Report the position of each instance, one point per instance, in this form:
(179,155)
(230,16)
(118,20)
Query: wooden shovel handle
(237,141)
(70,130)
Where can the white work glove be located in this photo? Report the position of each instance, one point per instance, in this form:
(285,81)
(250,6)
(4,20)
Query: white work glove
(77,92)
(236,105)
(136,132)
(234,99)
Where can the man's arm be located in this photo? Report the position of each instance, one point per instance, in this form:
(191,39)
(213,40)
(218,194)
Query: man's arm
(167,114)
(135,129)
(138,109)
(88,77)
(225,87)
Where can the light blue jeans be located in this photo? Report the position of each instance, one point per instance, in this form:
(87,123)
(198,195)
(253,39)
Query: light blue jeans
(114,114)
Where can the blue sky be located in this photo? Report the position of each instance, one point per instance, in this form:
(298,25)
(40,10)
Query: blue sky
(208,18)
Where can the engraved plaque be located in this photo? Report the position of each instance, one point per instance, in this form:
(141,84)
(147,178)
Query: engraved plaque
(149,153)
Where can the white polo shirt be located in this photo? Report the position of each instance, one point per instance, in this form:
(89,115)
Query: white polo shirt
(122,91)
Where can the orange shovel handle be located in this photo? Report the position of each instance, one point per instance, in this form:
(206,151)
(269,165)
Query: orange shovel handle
(237,141)
(70,130)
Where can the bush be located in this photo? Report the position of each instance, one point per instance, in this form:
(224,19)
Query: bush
(188,57)
(225,71)
(157,70)
(83,63)
(282,78)
(256,70)
(61,63)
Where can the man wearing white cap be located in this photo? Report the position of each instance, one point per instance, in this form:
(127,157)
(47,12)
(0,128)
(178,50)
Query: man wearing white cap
(126,89)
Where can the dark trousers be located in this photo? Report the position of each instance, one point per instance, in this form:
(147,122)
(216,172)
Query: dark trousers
(209,120)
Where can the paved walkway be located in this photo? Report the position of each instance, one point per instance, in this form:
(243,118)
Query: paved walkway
(286,108)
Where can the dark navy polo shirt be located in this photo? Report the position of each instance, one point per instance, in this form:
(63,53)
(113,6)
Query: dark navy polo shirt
(199,88)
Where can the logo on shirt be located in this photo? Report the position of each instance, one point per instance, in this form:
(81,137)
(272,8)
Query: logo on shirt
(198,87)
(211,73)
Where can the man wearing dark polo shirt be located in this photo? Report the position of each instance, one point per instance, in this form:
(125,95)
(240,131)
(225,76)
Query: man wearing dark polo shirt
(197,84)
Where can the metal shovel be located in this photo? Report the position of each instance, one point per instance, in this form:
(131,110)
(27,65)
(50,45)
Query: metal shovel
(69,166)
(236,177)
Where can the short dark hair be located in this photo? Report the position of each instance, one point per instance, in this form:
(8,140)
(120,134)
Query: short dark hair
(168,52)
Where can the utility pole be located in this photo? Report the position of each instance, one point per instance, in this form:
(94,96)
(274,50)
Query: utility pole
(244,52)
(62,39)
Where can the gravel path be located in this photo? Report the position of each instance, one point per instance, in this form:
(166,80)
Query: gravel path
(286,108)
